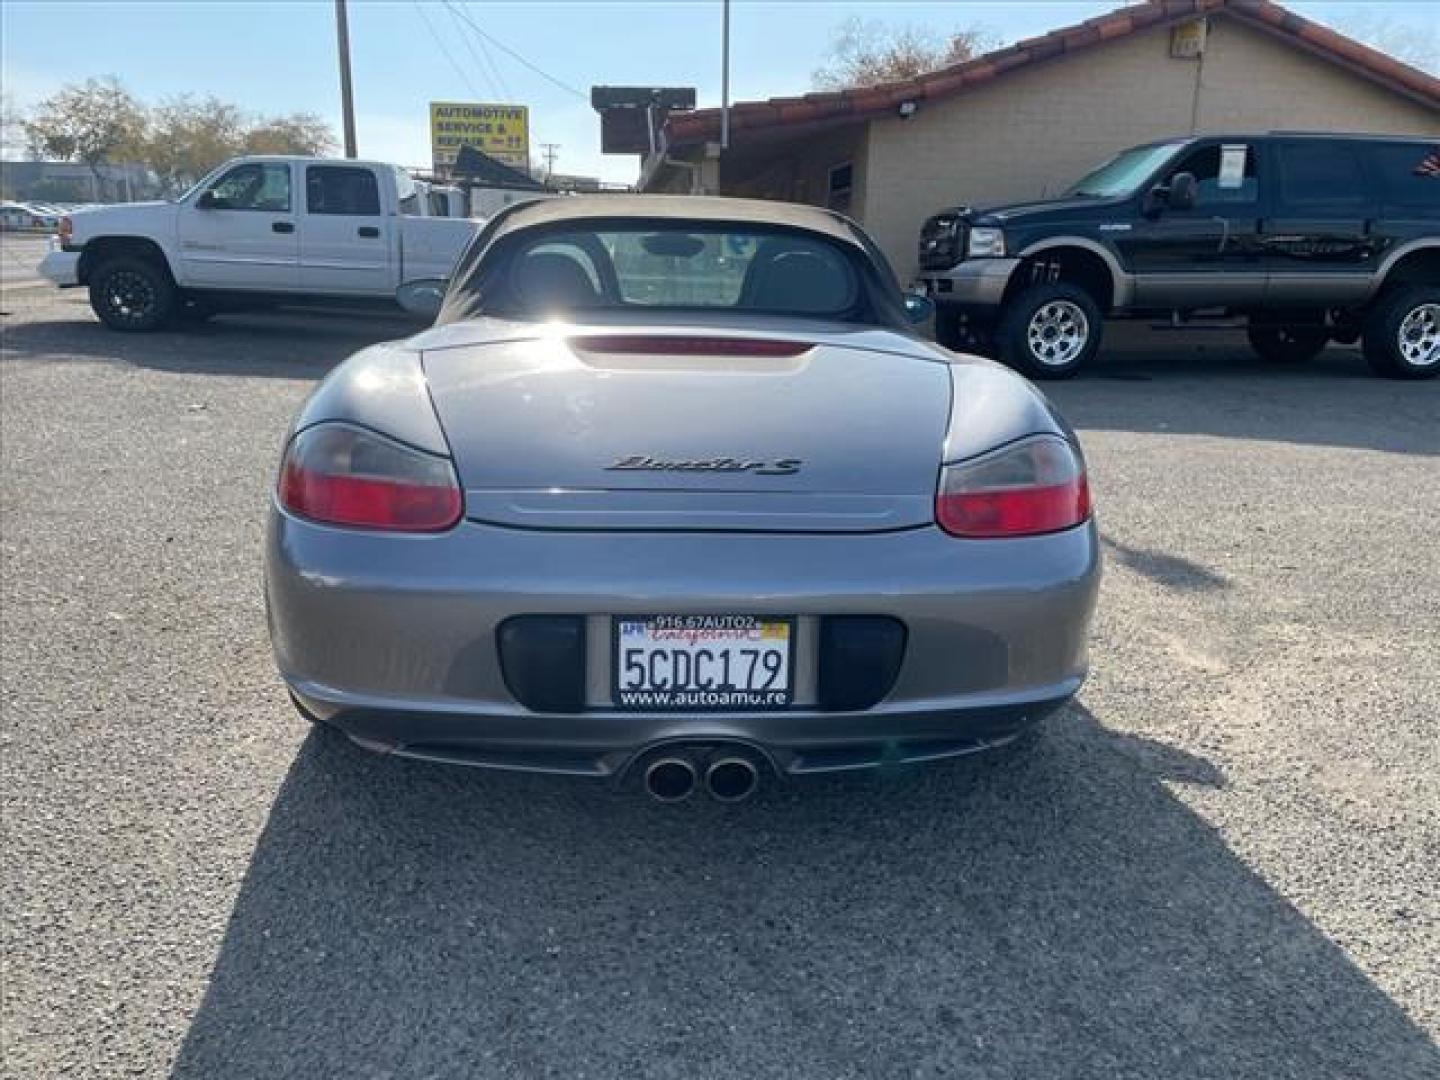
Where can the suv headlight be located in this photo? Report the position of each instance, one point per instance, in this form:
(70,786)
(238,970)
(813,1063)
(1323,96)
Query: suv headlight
(985,242)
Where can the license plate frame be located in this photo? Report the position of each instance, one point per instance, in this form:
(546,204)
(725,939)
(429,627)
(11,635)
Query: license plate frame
(732,698)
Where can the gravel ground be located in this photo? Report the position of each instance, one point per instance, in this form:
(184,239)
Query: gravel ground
(1219,863)
(20,254)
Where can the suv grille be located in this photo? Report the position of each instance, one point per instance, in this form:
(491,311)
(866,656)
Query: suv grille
(942,242)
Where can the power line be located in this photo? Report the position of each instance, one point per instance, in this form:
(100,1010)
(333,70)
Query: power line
(516,56)
(465,39)
(489,60)
(458,69)
(456,14)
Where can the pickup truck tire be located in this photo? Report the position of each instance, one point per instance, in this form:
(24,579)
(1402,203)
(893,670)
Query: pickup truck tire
(1294,340)
(1401,335)
(133,295)
(1049,331)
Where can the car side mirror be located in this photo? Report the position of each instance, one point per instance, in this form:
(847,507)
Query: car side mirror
(423,296)
(918,308)
(1183,189)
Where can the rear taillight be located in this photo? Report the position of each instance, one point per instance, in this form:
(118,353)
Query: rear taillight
(342,475)
(1033,486)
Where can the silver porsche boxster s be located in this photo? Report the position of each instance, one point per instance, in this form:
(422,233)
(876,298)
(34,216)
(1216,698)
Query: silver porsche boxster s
(673,491)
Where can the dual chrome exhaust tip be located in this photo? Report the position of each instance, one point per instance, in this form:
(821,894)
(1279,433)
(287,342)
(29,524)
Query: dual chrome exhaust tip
(729,778)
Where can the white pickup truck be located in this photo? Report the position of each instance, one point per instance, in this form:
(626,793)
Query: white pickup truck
(257,231)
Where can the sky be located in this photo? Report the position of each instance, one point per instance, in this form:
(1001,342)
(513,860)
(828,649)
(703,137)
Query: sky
(279,56)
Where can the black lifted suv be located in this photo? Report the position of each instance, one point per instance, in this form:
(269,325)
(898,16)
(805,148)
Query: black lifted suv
(1309,238)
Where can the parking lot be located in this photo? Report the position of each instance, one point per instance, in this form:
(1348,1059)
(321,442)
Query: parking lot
(1219,863)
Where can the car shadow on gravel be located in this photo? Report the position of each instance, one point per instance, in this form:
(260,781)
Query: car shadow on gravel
(1173,571)
(281,344)
(1175,385)
(1058,912)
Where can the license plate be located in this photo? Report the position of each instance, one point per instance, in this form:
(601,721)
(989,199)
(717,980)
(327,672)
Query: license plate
(703,662)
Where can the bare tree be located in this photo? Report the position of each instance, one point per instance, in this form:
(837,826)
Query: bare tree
(866,52)
(181,139)
(97,122)
(299,133)
(188,138)
(12,126)
(1415,44)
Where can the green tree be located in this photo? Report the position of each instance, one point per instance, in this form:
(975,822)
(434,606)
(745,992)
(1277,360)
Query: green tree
(865,52)
(97,122)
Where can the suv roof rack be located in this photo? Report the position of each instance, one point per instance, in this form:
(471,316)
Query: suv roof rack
(1349,135)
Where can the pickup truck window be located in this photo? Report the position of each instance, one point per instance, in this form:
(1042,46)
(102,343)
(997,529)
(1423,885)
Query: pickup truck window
(1123,173)
(254,187)
(341,189)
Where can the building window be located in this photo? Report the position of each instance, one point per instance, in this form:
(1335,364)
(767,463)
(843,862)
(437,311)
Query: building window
(839,188)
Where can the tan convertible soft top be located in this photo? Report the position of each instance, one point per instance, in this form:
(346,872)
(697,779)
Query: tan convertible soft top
(687,207)
(465,297)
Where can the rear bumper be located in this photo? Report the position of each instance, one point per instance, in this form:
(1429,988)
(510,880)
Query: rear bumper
(394,639)
(606,744)
(974,283)
(61,267)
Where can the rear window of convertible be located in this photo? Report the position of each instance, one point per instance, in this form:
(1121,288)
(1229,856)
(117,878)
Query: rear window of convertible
(646,267)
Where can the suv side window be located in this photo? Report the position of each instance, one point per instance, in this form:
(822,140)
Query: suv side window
(342,189)
(1228,173)
(1320,172)
(253,186)
(1409,175)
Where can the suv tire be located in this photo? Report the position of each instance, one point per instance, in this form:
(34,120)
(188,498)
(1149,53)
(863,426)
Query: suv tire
(1049,331)
(132,295)
(1300,337)
(1401,337)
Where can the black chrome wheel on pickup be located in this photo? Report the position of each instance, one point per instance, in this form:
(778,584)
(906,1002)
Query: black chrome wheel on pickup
(131,294)
(1049,331)
(1288,337)
(1402,333)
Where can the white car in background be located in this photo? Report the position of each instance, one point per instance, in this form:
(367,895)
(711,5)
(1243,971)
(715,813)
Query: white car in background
(256,231)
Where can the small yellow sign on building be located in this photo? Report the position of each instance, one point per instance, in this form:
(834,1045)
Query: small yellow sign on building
(502,131)
(1187,39)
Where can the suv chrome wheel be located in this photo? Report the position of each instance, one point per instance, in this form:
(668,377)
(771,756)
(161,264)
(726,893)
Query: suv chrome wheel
(1418,339)
(1057,333)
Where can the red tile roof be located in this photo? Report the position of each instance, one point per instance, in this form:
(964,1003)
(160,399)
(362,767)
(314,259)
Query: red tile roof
(703,125)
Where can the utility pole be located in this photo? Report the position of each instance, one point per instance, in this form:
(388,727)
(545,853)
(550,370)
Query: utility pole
(347,98)
(725,75)
(550,149)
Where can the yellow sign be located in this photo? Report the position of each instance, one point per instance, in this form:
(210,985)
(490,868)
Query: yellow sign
(502,131)
(1187,39)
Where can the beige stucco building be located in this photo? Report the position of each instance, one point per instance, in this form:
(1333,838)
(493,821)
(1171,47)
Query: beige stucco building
(1029,119)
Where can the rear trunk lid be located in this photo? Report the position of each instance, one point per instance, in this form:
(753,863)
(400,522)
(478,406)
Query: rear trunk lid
(683,429)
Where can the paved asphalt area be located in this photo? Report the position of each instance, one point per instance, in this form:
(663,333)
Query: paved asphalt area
(1220,863)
